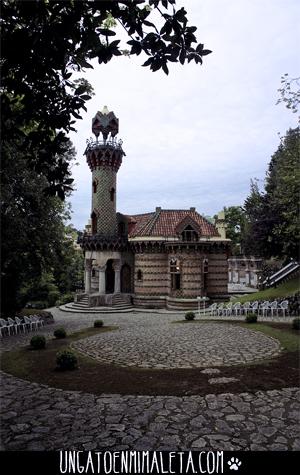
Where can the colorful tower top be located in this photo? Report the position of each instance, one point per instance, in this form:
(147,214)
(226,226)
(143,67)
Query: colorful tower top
(105,122)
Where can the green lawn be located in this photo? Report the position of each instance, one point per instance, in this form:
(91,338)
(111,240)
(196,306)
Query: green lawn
(281,291)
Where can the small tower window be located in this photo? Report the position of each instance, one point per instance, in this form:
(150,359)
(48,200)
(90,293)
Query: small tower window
(112,194)
(175,274)
(189,234)
(205,266)
(95,184)
(139,275)
(94,223)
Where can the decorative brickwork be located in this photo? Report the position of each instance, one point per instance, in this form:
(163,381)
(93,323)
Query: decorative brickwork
(102,205)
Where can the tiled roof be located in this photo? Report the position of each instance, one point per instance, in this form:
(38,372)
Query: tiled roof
(165,222)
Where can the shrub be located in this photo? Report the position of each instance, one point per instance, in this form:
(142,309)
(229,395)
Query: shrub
(38,342)
(296,324)
(60,333)
(66,360)
(251,318)
(189,316)
(98,323)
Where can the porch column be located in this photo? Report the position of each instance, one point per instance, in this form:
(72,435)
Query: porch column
(88,275)
(117,269)
(102,279)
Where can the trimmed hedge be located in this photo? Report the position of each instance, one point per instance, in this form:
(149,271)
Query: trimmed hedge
(60,333)
(66,360)
(38,342)
(189,316)
(251,318)
(98,323)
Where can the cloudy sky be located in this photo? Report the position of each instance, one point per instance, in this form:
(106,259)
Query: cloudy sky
(197,136)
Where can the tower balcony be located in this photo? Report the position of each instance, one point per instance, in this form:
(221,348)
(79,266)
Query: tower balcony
(104,153)
(101,242)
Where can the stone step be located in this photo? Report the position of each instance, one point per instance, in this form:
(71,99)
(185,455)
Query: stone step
(95,310)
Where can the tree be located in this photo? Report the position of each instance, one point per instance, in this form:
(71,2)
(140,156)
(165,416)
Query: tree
(290,93)
(45,42)
(273,214)
(32,226)
(236,222)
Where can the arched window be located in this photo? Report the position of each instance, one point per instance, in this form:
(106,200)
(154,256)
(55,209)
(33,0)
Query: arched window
(139,275)
(112,194)
(189,234)
(95,184)
(205,266)
(94,222)
(175,274)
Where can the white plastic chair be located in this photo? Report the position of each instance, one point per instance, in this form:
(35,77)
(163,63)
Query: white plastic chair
(274,308)
(237,308)
(20,324)
(213,308)
(34,321)
(6,325)
(3,327)
(227,311)
(264,308)
(254,307)
(12,322)
(246,307)
(219,310)
(29,323)
(284,307)
(38,320)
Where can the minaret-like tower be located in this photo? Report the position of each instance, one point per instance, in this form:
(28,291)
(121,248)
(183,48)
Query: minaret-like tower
(104,158)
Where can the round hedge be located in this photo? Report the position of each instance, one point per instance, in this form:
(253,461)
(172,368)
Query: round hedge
(66,360)
(189,316)
(98,324)
(251,318)
(38,342)
(60,333)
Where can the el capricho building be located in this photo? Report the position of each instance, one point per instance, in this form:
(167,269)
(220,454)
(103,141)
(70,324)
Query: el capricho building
(158,259)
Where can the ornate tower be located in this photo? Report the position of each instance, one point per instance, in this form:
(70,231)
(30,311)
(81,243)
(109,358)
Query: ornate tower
(104,158)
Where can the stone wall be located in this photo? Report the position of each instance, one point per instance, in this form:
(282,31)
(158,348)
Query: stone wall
(154,269)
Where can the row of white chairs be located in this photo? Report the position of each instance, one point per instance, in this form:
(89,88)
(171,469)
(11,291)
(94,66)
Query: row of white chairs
(15,325)
(264,309)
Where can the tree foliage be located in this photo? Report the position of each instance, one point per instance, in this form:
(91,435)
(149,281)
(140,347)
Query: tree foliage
(290,93)
(273,222)
(45,42)
(236,222)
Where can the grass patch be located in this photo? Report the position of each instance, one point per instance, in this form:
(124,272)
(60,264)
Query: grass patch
(28,364)
(286,289)
(97,378)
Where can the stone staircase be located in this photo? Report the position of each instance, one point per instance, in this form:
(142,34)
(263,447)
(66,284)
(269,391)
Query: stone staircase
(119,305)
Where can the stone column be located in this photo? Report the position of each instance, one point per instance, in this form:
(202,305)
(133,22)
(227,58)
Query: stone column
(102,279)
(88,275)
(117,269)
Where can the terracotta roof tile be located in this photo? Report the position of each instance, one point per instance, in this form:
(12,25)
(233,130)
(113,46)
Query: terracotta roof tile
(164,223)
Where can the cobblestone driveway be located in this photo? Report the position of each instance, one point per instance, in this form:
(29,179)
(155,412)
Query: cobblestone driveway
(36,417)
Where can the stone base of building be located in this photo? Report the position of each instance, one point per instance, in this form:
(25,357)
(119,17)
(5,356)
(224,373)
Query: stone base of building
(172,303)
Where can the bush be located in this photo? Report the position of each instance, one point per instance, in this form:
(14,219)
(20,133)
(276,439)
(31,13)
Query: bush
(65,298)
(38,304)
(38,342)
(60,333)
(189,316)
(66,360)
(98,323)
(296,324)
(251,318)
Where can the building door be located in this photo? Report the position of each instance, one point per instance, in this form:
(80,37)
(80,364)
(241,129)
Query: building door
(109,277)
(126,279)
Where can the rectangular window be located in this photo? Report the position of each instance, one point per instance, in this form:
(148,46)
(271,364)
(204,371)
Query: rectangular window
(175,281)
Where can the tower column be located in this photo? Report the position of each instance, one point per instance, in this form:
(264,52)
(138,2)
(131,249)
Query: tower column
(88,275)
(117,269)
(102,270)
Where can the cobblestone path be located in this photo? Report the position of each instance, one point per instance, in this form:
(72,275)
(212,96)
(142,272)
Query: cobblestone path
(36,417)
